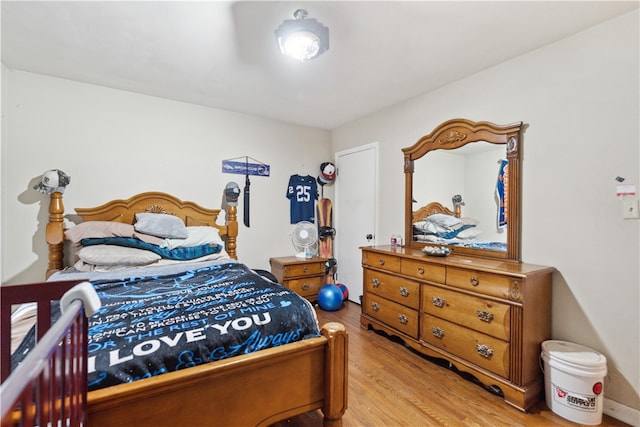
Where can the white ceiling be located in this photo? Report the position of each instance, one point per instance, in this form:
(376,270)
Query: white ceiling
(223,54)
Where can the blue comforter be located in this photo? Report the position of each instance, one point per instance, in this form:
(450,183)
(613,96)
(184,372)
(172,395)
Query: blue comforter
(152,324)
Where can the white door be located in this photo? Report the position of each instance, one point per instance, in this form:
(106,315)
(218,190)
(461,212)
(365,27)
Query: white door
(355,212)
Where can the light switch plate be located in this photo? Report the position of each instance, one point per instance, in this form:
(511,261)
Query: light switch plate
(631,208)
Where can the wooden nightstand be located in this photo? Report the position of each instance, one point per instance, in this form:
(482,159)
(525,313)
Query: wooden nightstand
(304,276)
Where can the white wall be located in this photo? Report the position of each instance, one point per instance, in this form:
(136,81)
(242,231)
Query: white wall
(115,144)
(3,129)
(580,98)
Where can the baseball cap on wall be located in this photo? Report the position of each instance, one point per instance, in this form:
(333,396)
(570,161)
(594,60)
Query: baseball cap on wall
(53,181)
(327,173)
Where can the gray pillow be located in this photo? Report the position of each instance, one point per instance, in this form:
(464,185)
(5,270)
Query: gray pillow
(161,225)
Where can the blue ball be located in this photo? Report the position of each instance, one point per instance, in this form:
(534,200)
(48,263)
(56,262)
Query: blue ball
(330,297)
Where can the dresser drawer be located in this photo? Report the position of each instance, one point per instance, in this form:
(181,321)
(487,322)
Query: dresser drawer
(483,315)
(376,260)
(307,269)
(305,286)
(487,283)
(395,315)
(482,350)
(400,290)
(423,270)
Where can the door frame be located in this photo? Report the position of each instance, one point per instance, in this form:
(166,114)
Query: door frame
(376,151)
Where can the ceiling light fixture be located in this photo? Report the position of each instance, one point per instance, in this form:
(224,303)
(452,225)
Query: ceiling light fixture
(302,38)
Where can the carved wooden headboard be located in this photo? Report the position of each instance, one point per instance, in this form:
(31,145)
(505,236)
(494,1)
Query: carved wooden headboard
(431,209)
(124,210)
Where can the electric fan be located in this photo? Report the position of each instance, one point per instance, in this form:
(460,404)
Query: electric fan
(305,239)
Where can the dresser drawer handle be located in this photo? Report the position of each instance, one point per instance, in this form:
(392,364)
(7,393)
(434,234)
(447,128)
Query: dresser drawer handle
(421,270)
(485,316)
(305,286)
(381,261)
(438,302)
(484,351)
(375,306)
(437,332)
(404,291)
(376,282)
(403,319)
(474,281)
(306,269)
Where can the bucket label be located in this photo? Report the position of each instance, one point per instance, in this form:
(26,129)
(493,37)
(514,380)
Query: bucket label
(582,402)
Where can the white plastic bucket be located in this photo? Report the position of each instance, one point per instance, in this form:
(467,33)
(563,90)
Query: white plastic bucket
(573,381)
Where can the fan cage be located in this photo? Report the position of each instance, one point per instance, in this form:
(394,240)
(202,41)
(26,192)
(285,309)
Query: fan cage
(304,238)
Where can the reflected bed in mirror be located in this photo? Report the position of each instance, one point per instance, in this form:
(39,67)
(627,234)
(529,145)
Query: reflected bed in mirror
(463,189)
(435,224)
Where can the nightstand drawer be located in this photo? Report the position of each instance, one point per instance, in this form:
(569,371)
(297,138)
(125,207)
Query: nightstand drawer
(308,269)
(306,286)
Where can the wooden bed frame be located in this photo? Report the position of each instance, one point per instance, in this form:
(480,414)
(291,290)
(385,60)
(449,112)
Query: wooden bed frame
(433,208)
(255,389)
(125,210)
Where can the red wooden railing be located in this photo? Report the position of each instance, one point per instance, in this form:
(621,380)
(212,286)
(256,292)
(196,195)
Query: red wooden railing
(49,387)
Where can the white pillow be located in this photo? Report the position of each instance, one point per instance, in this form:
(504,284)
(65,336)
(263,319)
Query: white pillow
(196,236)
(83,266)
(431,227)
(469,233)
(419,224)
(160,225)
(444,220)
(116,255)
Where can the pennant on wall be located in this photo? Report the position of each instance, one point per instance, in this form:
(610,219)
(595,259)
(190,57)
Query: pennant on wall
(245,168)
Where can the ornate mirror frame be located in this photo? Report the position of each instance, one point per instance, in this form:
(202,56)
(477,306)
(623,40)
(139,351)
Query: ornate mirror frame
(457,133)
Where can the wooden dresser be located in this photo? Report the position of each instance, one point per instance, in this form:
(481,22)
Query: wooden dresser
(485,317)
(305,276)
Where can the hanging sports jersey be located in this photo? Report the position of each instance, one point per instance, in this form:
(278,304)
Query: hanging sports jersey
(302,193)
(502,192)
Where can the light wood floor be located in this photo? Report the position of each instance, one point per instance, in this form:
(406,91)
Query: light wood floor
(389,385)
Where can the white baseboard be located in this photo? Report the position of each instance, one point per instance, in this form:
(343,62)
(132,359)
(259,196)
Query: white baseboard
(621,412)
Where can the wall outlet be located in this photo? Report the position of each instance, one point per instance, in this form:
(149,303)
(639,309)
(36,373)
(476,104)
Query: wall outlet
(631,209)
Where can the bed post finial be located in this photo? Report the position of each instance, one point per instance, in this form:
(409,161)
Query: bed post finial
(55,233)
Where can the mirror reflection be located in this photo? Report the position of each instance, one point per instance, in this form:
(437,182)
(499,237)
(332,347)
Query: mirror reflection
(470,182)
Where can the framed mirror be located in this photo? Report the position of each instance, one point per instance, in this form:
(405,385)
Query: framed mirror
(463,189)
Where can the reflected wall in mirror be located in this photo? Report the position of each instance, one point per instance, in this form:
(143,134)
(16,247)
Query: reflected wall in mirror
(463,189)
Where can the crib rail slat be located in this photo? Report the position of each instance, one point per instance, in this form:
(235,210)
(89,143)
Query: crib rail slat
(50,386)
(42,293)
(35,390)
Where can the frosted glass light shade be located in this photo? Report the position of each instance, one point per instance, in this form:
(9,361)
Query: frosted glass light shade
(302,38)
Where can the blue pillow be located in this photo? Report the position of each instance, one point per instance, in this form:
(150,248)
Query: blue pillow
(178,254)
